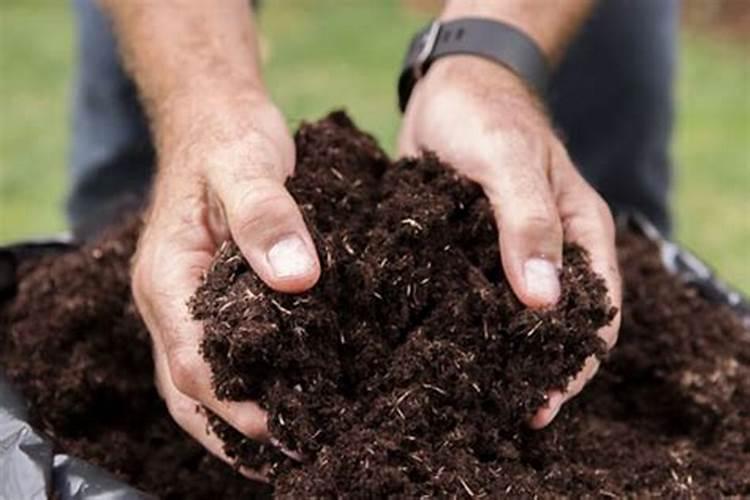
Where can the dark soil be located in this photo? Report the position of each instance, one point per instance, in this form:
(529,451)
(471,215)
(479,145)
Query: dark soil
(411,368)
(74,343)
(408,370)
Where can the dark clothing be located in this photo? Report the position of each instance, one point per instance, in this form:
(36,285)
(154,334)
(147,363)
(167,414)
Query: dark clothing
(111,156)
(611,99)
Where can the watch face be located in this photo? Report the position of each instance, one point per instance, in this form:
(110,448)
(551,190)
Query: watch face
(418,54)
(427,44)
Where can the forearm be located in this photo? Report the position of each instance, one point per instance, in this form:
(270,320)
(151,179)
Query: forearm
(186,55)
(550,23)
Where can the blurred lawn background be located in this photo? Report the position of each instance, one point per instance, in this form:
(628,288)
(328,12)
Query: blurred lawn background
(322,54)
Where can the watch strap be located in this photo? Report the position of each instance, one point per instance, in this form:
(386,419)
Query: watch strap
(493,40)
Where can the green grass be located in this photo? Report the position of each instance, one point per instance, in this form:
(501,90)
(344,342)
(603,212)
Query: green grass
(327,54)
(35,69)
(712,151)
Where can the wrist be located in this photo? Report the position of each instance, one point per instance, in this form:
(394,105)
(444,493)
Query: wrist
(505,12)
(551,27)
(475,71)
(479,78)
(490,97)
(479,37)
(206,111)
(455,9)
(206,133)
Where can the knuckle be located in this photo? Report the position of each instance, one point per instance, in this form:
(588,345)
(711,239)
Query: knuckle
(272,152)
(142,281)
(181,408)
(139,261)
(141,275)
(264,204)
(263,150)
(251,425)
(540,223)
(604,213)
(183,367)
(145,265)
(592,218)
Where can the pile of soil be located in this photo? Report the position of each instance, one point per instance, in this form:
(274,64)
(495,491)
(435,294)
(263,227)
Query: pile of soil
(408,370)
(73,342)
(411,368)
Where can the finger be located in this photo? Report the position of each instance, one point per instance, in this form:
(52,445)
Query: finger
(162,298)
(588,221)
(188,414)
(191,375)
(529,226)
(556,398)
(407,146)
(266,223)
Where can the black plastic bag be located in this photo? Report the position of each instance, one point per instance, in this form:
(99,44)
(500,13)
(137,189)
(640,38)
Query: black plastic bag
(690,269)
(29,467)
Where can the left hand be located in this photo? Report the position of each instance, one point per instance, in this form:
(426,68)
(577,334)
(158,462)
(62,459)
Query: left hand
(480,118)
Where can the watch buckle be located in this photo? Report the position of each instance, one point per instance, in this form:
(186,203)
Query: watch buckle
(428,45)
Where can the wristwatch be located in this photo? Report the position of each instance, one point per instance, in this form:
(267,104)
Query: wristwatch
(493,40)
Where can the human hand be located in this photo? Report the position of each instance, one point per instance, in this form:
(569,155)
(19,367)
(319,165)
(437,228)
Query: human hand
(479,117)
(221,173)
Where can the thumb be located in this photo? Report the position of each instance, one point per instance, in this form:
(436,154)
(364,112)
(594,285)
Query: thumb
(266,224)
(530,233)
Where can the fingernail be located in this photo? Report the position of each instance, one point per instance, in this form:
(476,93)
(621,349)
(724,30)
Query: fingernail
(289,258)
(542,282)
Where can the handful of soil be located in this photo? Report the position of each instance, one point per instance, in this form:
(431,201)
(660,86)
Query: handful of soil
(668,415)
(411,368)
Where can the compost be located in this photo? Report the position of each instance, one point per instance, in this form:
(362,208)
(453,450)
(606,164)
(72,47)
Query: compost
(409,370)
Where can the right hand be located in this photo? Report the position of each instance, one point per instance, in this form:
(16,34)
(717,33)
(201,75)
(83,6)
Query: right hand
(221,173)
(505,143)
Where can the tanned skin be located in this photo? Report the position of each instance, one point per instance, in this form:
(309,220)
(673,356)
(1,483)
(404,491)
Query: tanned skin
(224,152)
(505,142)
(552,24)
